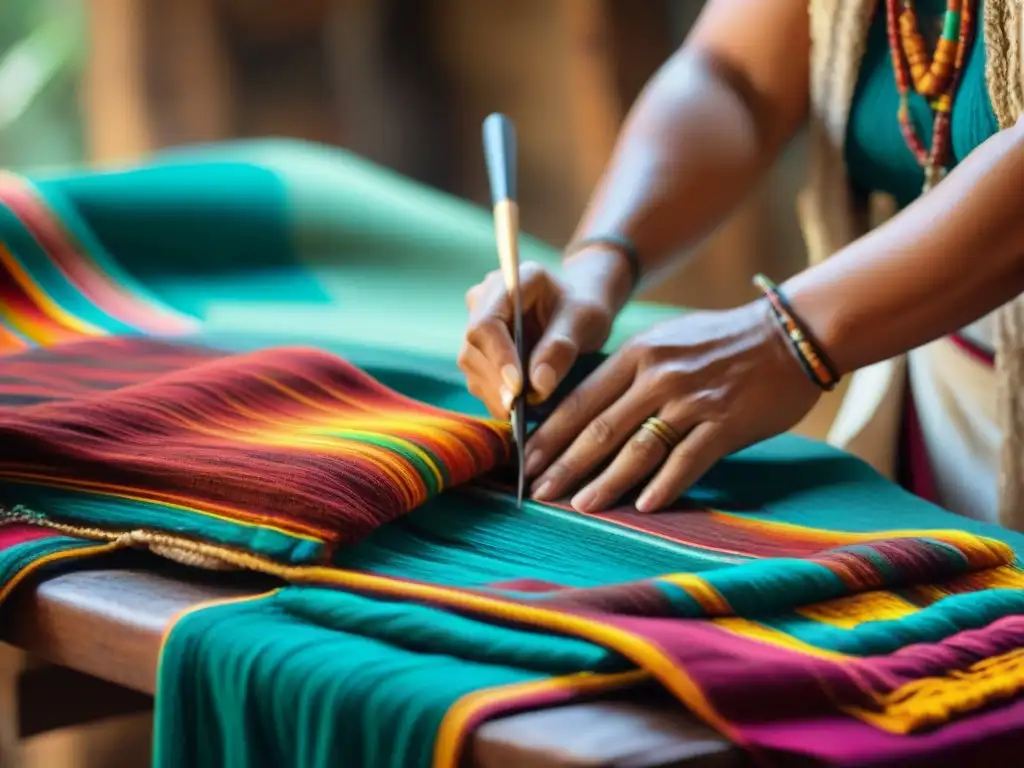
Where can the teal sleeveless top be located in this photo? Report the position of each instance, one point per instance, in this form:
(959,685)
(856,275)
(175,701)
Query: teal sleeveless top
(877,157)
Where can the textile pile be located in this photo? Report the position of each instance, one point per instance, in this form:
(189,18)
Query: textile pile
(795,600)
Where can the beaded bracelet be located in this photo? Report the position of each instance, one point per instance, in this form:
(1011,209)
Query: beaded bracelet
(812,358)
(621,244)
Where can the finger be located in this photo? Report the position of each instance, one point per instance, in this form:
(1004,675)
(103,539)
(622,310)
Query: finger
(491,296)
(685,465)
(474,294)
(491,317)
(482,382)
(575,328)
(554,354)
(641,455)
(552,358)
(488,332)
(580,407)
(602,435)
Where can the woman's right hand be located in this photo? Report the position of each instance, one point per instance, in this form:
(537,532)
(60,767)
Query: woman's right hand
(564,317)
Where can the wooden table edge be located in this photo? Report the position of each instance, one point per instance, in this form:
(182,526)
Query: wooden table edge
(110,624)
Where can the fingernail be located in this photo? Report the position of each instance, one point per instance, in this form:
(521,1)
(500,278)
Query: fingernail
(543,491)
(506,398)
(645,503)
(544,379)
(534,462)
(585,500)
(510,375)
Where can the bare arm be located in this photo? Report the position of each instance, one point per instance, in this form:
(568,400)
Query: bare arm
(949,258)
(704,129)
(724,380)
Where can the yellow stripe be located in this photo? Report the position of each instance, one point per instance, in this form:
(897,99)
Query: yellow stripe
(298,435)
(709,598)
(752,630)
(853,610)
(932,701)
(300,432)
(455,726)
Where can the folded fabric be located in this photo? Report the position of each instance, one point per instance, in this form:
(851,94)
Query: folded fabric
(850,647)
(282,453)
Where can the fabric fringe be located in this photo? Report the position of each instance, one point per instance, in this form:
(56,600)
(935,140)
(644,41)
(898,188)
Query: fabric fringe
(180,550)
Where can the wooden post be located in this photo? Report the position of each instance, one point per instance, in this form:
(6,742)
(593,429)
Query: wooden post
(114,94)
(11,663)
(590,91)
(190,73)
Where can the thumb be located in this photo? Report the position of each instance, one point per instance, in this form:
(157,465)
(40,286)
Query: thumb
(554,355)
(576,328)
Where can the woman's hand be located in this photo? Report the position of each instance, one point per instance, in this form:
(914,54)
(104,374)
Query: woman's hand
(564,317)
(720,380)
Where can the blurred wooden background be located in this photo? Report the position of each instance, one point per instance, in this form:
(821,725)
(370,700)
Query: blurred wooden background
(403,82)
(406,83)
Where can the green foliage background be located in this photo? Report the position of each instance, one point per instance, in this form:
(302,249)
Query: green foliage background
(42,53)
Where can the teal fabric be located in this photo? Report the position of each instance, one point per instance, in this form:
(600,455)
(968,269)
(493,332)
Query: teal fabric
(313,677)
(876,154)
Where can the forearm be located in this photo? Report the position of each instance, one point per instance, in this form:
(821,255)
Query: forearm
(949,258)
(689,151)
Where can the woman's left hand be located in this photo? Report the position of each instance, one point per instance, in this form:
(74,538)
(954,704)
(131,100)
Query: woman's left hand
(721,380)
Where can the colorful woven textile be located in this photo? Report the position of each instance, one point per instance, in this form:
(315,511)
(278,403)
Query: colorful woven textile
(285,452)
(196,379)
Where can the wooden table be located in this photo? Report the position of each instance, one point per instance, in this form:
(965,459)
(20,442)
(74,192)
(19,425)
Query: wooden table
(109,624)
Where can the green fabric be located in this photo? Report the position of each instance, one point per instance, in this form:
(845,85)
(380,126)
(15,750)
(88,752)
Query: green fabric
(876,154)
(313,677)
(216,232)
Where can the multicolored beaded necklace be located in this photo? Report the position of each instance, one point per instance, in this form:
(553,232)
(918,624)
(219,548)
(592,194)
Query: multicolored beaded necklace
(936,79)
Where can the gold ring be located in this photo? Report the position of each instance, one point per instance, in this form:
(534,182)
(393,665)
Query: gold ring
(663,431)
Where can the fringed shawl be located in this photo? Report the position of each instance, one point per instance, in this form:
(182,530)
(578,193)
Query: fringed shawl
(832,216)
